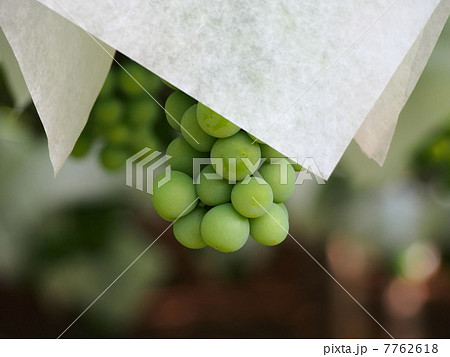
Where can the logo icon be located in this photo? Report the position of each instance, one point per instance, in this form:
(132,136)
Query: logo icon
(142,159)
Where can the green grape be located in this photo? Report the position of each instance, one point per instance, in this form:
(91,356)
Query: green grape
(253,198)
(82,145)
(187,229)
(182,155)
(145,78)
(224,229)
(212,189)
(283,206)
(113,157)
(272,228)
(175,198)
(192,132)
(118,134)
(214,124)
(281,177)
(237,147)
(269,152)
(107,113)
(142,112)
(140,139)
(163,130)
(295,166)
(254,138)
(176,104)
(168,84)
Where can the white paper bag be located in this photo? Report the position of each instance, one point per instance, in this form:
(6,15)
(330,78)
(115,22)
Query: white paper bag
(304,75)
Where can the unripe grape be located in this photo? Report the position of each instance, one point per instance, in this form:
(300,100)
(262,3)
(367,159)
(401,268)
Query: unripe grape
(212,189)
(106,113)
(214,124)
(269,152)
(140,139)
(168,84)
(192,132)
(270,229)
(281,177)
(113,157)
(118,134)
(225,229)
(283,206)
(142,112)
(176,197)
(253,198)
(235,150)
(254,138)
(182,155)
(187,229)
(176,104)
(145,78)
(297,167)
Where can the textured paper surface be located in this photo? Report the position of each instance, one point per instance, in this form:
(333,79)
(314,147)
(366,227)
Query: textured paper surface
(63,68)
(375,134)
(324,67)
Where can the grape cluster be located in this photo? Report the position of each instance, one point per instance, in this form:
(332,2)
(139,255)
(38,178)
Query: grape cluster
(239,193)
(125,119)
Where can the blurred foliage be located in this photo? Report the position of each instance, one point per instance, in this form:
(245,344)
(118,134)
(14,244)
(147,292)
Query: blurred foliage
(431,161)
(127,116)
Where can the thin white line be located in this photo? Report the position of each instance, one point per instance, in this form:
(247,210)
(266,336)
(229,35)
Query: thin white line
(126,269)
(134,79)
(326,271)
(326,70)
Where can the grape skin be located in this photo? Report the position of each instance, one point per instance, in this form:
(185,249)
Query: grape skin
(142,139)
(254,138)
(190,129)
(236,147)
(118,134)
(172,199)
(182,155)
(125,118)
(270,229)
(130,81)
(129,126)
(271,172)
(143,112)
(214,124)
(176,104)
(283,206)
(225,229)
(168,84)
(252,199)
(187,229)
(107,113)
(213,192)
(269,152)
(113,157)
